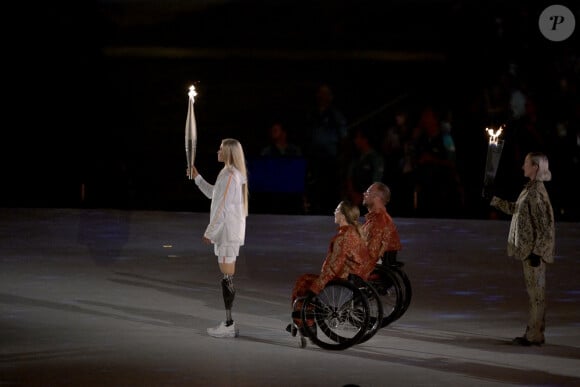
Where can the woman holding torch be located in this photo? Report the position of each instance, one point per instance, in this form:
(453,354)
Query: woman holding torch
(227,226)
(531,240)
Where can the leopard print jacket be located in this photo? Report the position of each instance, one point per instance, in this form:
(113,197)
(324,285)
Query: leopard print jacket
(532,227)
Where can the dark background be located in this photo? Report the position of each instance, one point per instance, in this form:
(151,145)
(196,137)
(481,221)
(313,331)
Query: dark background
(96,91)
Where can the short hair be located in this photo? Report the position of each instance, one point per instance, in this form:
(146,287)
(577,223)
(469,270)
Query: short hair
(541,160)
(384,191)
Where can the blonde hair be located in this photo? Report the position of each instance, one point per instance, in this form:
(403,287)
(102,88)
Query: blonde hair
(233,155)
(541,160)
(351,214)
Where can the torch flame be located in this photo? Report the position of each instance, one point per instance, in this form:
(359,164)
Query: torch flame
(192,93)
(494,135)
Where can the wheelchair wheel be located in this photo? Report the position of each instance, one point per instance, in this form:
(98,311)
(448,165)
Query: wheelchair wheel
(385,282)
(337,317)
(407,291)
(375,308)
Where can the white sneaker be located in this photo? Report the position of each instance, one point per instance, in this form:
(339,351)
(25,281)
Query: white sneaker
(223,331)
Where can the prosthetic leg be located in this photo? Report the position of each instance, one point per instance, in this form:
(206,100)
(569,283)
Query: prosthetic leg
(226,328)
(229,293)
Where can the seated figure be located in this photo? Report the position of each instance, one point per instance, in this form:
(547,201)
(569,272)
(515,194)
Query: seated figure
(347,254)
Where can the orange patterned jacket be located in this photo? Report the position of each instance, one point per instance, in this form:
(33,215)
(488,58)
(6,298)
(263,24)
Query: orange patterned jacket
(347,254)
(381,234)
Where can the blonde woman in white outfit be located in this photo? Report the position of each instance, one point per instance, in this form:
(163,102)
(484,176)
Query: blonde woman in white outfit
(227,225)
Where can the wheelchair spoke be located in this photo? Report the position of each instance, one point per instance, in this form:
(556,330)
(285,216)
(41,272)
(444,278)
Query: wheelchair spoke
(340,314)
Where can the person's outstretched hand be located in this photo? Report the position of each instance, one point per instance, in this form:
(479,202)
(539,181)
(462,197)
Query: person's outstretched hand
(193,171)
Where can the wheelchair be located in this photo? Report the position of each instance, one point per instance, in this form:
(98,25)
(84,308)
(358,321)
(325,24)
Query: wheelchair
(351,311)
(393,285)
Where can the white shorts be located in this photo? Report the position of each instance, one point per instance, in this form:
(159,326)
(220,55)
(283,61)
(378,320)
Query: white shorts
(226,259)
(227,254)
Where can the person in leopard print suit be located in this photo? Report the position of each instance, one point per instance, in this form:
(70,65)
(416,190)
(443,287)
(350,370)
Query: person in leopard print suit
(531,240)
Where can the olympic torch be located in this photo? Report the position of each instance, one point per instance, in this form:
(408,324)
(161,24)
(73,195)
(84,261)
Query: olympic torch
(190,132)
(494,148)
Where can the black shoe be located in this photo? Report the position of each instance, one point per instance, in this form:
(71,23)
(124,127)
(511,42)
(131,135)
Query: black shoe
(525,342)
(291,328)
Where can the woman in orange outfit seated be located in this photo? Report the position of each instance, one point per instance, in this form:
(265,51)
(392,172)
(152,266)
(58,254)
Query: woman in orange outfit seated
(347,254)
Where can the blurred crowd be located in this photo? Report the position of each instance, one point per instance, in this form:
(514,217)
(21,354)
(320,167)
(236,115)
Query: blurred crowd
(310,127)
(432,153)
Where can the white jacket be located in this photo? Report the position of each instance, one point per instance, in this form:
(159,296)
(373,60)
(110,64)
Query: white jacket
(227,225)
